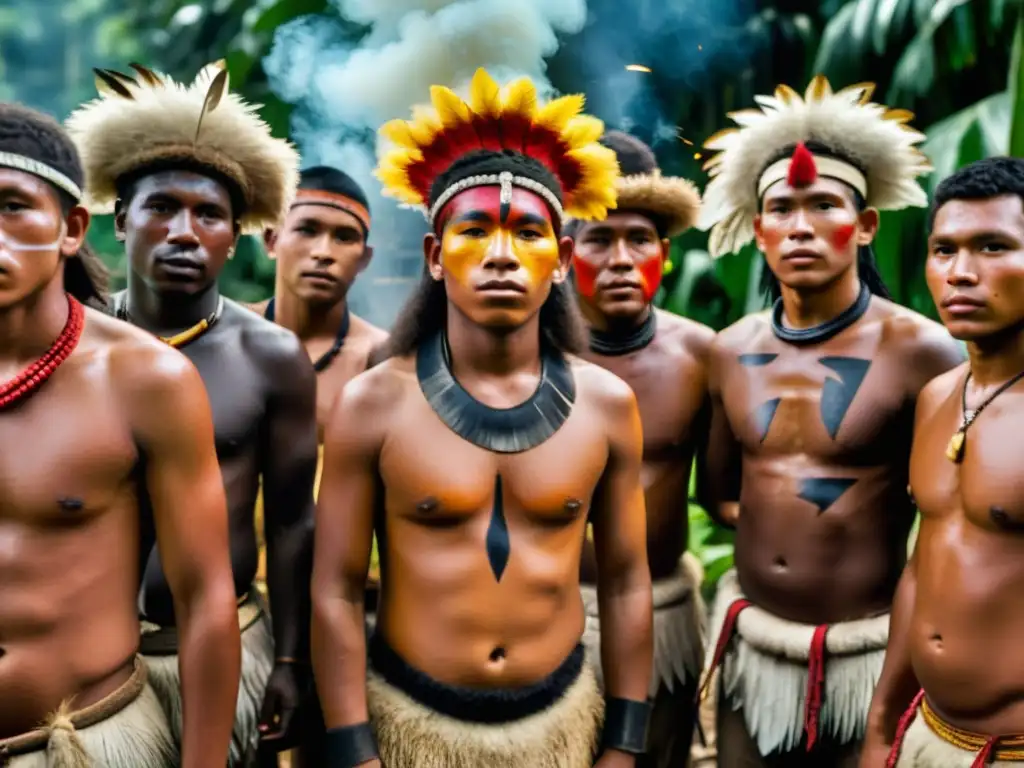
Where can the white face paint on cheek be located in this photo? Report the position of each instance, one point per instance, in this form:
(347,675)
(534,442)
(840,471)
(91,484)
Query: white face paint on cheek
(11,243)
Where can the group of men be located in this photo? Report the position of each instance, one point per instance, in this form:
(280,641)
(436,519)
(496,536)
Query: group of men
(516,452)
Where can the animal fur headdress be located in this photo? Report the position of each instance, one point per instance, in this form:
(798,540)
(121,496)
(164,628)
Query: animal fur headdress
(870,147)
(672,201)
(149,120)
(497,138)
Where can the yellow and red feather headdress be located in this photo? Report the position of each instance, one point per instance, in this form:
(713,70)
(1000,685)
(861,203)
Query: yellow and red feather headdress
(580,173)
(871,147)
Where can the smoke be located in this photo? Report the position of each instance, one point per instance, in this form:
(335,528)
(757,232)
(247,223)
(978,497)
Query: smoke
(685,44)
(343,90)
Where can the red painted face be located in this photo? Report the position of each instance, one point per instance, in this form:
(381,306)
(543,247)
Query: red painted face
(618,263)
(808,234)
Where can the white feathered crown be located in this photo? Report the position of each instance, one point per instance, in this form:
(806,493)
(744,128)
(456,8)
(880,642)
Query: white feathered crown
(872,148)
(147,119)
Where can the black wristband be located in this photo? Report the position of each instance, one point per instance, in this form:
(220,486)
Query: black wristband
(625,725)
(350,746)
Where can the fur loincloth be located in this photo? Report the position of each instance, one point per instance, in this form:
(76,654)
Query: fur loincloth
(680,626)
(257,664)
(412,734)
(127,729)
(923,745)
(765,672)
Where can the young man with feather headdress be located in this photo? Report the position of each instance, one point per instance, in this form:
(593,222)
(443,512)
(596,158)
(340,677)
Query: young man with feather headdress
(186,169)
(618,264)
(90,424)
(813,405)
(478,452)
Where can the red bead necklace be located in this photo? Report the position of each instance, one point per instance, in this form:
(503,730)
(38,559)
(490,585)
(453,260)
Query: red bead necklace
(31,379)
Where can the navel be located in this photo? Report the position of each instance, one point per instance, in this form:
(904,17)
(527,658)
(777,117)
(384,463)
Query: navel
(497,655)
(779,563)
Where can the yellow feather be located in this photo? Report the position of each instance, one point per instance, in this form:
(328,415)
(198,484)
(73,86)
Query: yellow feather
(787,95)
(397,132)
(555,115)
(818,88)
(866,90)
(484,95)
(898,115)
(451,110)
(424,125)
(520,99)
(582,130)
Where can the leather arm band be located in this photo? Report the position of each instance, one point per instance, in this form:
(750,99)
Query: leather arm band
(350,746)
(625,725)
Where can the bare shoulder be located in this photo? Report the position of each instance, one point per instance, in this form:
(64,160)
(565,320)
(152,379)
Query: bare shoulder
(687,336)
(366,338)
(921,344)
(370,397)
(940,388)
(143,370)
(266,341)
(738,337)
(599,389)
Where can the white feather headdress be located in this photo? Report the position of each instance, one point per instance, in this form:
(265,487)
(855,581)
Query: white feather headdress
(148,119)
(879,145)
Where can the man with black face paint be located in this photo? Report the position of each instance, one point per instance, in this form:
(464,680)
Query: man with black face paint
(618,263)
(813,407)
(949,695)
(185,170)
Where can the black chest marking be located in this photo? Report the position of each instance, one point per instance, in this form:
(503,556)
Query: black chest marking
(765,414)
(823,492)
(837,396)
(757,358)
(498,544)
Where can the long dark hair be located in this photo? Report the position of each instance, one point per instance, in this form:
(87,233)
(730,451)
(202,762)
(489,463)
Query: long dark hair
(425,313)
(867,268)
(87,278)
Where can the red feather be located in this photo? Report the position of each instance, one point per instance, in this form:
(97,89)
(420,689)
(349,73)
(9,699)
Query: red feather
(543,145)
(802,170)
(489,132)
(514,130)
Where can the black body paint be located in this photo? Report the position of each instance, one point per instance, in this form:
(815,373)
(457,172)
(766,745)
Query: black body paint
(823,492)
(498,544)
(757,358)
(764,415)
(837,396)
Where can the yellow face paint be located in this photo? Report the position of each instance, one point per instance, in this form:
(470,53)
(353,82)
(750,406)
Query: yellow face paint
(522,248)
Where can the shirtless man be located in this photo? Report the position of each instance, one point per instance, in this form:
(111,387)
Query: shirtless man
(618,264)
(812,418)
(478,452)
(94,415)
(320,249)
(958,616)
(182,190)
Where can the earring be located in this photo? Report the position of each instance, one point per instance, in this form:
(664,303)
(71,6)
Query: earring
(667,267)
(231,253)
(557,274)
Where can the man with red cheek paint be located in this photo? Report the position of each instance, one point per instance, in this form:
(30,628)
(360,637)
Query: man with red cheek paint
(949,692)
(617,267)
(478,452)
(812,413)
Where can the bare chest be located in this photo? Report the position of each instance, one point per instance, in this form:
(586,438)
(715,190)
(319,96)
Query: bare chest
(435,478)
(66,455)
(988,485)
(329,382)
(237,387)
(838,404)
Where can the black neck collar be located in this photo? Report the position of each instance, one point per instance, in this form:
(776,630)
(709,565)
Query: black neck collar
(826,330)
(339,340)
(616,343)
(505,430)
